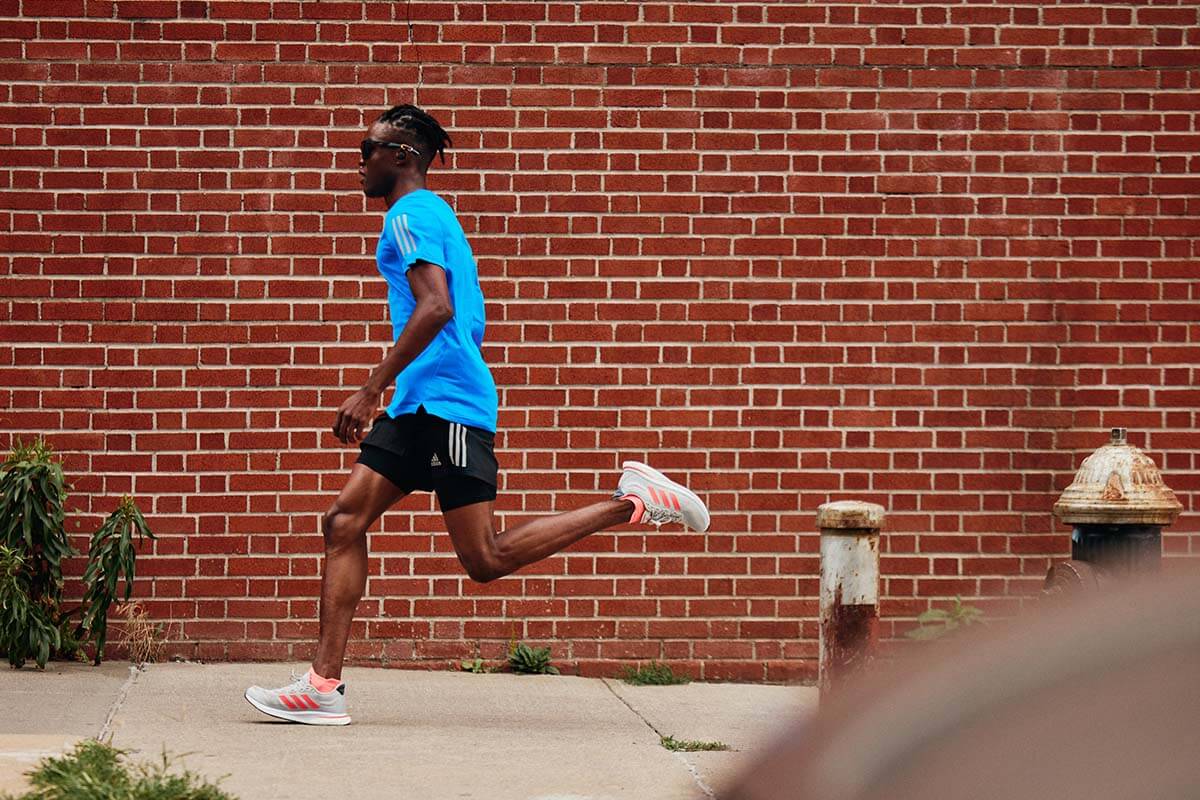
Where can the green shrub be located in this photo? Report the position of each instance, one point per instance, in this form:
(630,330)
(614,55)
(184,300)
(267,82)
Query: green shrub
(97,771)
(529,661)
(27,625)
(33,496)
(33,544)
(110,558)
(653,674)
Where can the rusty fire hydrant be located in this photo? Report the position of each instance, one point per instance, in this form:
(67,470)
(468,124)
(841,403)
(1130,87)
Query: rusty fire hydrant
(849,588)
(1118,505)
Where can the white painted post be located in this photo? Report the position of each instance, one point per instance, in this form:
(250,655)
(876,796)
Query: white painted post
(849,588)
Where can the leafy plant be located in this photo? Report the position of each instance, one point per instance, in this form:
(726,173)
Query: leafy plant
(33,494)
(27,626)
(529,661)
(97,770)
(936,622)
(476,666)
(110,558)
(690,745)
(33,544)
(33,497)
(653,674)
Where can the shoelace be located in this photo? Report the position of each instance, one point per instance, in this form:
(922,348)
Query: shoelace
(298,685)
(655,514)
(658,515)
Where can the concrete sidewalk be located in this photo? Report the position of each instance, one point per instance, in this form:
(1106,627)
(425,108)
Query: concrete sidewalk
(415,733)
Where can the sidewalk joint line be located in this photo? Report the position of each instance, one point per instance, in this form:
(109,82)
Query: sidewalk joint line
(106,730)
(704,787)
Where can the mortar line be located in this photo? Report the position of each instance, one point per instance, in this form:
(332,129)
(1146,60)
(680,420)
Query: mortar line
(106,729)
(704,787)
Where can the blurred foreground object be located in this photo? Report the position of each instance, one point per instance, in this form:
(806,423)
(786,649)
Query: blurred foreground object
(1094,698)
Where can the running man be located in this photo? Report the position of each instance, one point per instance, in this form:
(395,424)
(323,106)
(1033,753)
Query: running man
(438,430)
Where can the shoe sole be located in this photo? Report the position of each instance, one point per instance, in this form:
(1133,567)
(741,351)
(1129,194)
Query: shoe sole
(303,717)
(650,472)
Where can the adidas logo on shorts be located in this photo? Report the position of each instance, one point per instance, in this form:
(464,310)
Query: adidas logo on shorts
(435,461)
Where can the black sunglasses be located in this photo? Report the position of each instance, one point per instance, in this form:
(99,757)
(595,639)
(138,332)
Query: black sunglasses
(368,147)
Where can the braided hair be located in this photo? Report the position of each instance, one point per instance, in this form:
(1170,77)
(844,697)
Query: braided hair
(425,128)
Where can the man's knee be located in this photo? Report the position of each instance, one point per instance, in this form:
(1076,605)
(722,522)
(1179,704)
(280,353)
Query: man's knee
(340,527)
(485,563)
(482,573)
(482,567)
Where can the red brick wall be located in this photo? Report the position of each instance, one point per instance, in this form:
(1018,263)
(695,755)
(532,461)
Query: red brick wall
(921,255)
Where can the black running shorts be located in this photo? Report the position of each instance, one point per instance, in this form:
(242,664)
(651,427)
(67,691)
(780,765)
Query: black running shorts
(427,453)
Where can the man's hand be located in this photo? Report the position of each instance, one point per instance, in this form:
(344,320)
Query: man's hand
(355,414)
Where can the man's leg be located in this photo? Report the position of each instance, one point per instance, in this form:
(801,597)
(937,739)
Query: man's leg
(363,500)
(322,702)
(643,494)
(488,555)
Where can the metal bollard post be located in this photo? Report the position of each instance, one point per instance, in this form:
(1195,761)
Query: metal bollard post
(849,588)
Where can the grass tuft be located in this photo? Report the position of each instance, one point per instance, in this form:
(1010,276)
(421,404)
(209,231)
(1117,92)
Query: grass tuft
(97,771)
(653,674)
(690,745)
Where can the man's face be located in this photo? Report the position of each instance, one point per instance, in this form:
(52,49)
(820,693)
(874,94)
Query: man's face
(380,170)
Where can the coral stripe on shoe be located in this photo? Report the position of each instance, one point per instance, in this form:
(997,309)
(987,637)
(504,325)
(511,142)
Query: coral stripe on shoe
(665,500)
(301,701)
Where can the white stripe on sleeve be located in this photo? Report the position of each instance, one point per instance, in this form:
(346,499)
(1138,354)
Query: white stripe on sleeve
(412,240)
(400,241)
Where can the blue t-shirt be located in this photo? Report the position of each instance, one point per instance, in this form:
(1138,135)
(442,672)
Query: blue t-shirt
(449,377)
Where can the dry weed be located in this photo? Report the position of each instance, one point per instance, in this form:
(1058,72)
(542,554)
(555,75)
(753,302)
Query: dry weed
(143,640)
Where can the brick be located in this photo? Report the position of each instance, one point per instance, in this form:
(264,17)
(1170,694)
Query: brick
(794,252)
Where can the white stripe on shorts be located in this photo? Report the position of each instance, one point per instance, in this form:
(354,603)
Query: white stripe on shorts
(457,444)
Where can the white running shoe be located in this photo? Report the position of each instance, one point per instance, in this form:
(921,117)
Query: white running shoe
(300,701)
(664,499)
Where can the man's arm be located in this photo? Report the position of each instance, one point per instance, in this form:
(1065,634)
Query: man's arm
(433,311)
